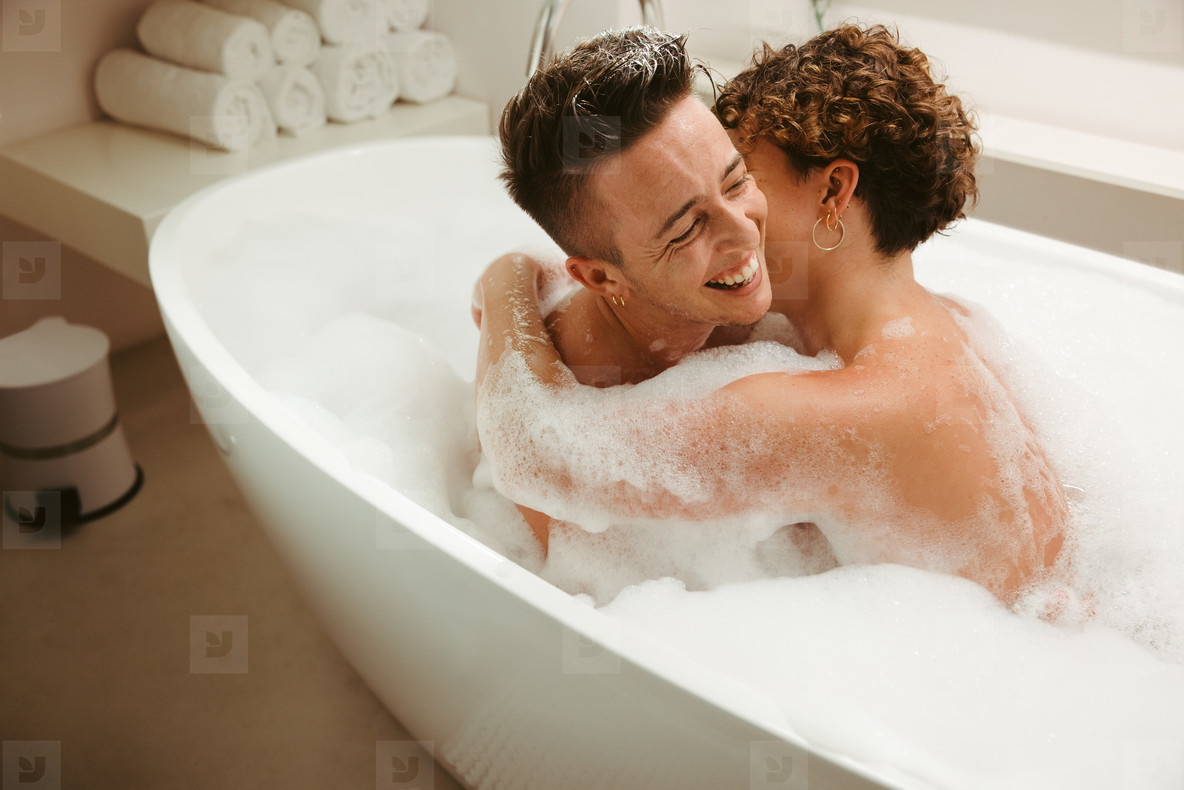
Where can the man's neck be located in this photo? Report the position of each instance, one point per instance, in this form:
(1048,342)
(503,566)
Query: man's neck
(639,342)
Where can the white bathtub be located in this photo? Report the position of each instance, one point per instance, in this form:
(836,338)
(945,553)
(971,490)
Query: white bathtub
(509,681)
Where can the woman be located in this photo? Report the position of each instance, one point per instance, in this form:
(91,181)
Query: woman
(913,451)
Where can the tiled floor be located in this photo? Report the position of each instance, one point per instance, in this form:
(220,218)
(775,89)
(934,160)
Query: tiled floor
(95,635)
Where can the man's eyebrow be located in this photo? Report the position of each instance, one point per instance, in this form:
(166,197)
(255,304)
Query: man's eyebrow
(736,161)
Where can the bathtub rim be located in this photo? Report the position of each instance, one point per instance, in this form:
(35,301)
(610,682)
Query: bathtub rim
(1134,273)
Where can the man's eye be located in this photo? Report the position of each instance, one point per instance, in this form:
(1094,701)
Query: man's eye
(687,235)
(741,183)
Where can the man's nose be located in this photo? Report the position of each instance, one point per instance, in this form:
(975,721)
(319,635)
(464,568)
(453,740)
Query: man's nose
(743,222)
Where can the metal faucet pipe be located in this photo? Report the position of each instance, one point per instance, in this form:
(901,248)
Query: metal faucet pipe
(542,42)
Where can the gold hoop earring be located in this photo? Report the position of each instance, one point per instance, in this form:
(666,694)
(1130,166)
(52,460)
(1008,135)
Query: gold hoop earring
(618,301)
(842,233)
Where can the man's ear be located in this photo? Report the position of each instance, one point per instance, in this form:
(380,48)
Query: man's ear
(840,179)
(598,276)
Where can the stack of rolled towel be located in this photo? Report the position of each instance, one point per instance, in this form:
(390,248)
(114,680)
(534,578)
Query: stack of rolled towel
(229,72)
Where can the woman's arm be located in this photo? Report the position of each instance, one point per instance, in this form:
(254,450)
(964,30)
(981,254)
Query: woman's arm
(599,456)
(506,308)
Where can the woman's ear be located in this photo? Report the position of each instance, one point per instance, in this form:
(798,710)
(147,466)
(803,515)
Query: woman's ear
(599,276)
(841,177)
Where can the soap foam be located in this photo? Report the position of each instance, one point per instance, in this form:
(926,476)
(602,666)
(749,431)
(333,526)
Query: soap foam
(904,667)
(930,673)
(901,327)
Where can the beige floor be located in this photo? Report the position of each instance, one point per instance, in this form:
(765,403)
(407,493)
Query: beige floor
(95,635)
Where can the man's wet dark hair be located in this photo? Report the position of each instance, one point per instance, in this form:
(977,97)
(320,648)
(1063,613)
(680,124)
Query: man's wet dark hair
(577,112)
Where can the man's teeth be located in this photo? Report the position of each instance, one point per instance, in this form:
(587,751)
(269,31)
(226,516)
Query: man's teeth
(738,281)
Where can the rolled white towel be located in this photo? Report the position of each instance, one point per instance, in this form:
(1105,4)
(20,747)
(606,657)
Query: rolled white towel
(202,37)
(425,65)
(344,21)
(359,81)
(214,109)
(295,37)
(296,98)
(406,15)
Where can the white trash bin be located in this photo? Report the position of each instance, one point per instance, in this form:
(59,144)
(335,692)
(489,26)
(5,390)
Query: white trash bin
(64,458)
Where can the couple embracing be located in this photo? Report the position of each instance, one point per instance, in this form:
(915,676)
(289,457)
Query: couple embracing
(821,169)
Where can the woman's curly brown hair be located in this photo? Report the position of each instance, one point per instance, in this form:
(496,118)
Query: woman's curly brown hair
(858,94)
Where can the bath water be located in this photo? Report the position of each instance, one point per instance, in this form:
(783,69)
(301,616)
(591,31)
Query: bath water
(925,674)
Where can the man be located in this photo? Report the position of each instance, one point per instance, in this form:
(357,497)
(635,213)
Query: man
(913,452)
(641,187)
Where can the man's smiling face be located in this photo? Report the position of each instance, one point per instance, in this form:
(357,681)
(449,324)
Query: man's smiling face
(687,220)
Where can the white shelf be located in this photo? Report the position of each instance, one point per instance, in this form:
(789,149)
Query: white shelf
(1145,168)
(103,187)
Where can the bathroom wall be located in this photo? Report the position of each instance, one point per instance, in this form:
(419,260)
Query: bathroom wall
(493,40)
(1113,67)
(1103,66)
(45,78)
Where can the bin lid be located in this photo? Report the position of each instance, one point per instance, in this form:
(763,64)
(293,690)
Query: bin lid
(48,351)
